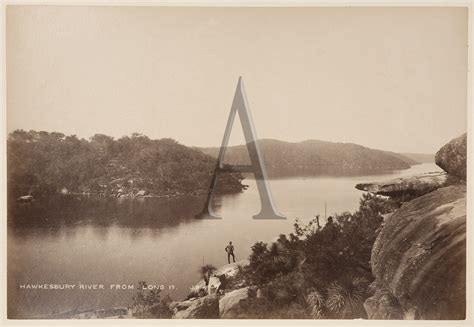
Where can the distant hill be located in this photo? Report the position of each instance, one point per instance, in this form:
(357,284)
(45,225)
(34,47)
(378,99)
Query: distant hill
(314,157)
(420,157)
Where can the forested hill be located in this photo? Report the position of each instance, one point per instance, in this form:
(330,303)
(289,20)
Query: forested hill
(313,158)
(41,163)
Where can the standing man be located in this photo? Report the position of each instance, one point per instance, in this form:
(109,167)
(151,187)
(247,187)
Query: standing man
(230,252)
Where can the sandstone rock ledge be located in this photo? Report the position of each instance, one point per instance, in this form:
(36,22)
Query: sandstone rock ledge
(233,302)
(419,257)
(407,187)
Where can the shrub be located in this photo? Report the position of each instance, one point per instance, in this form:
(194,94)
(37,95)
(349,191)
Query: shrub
(316,304)
(149,304)
(324,270)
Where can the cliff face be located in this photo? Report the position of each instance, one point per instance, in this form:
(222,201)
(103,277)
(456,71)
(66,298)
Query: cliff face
(420,254)
(419,257)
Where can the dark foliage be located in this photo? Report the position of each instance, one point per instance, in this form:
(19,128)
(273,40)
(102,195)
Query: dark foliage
(42,163)
(325,270)
(149,304)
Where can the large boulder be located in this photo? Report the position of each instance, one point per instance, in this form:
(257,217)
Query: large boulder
(214,285)
(452,157)
(231,304)
(407,187)
(206,307)
(180,306)
(383,305)
(420,256)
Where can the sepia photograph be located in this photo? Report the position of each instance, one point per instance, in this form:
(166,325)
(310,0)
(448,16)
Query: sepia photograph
(231,162)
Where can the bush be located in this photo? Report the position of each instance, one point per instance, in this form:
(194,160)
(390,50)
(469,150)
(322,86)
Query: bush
(324,270)
(266,263)
(149,304)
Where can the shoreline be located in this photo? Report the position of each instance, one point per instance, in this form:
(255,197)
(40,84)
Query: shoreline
(130,195)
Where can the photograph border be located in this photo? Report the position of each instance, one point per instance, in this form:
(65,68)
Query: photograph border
(209,322)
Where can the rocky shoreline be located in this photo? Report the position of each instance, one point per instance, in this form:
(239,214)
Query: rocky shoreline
(224,296)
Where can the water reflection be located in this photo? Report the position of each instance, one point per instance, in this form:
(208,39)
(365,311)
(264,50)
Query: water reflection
(59,211)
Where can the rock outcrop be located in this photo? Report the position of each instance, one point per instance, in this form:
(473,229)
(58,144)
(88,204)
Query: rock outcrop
(206,307)
(221,298)
(383,305)
(419,257)
(231,304)
(214,285)
(420,254)
(407,188)
(452,157)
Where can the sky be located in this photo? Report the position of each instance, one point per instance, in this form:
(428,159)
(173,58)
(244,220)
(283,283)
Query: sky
(387,78)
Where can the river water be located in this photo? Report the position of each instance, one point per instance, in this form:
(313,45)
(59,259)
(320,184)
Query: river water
(109,242)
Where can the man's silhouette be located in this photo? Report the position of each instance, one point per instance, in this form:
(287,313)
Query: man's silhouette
(230,252)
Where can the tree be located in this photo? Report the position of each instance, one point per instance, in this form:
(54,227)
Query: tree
(43,163)
(149,304)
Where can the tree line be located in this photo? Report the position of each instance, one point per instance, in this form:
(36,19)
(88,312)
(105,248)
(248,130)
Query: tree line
(43,163)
